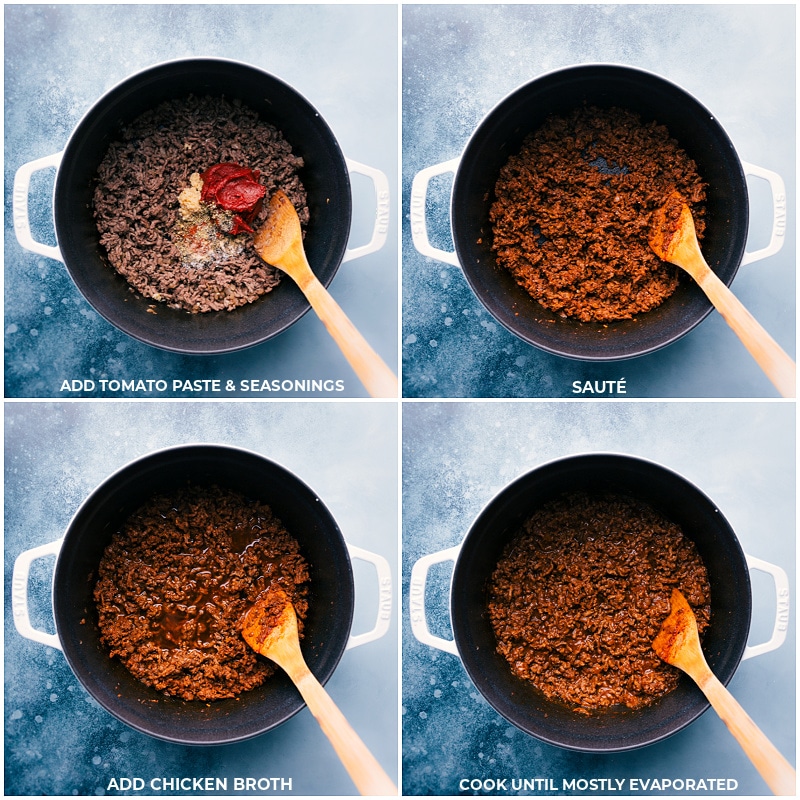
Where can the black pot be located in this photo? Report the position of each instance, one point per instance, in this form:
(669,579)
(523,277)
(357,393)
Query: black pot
(324,175)
(517,700)
(331,594)
(500,135)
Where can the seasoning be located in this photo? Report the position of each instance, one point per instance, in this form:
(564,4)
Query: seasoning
(580,593)
(571,214)
(233,188)
(215,211)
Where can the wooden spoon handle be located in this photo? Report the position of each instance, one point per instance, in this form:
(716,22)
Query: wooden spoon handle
(372,371)
(775,363)
(367,774)
(773,767)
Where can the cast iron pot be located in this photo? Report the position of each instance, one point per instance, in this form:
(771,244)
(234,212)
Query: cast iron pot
(500,135)
(331,594)
(517,700)
(325,176)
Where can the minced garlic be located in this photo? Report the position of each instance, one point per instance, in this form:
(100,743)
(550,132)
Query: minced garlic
(189,198)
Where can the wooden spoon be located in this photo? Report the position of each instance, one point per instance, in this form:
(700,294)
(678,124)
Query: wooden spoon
(678,644)
(673,238)
(279,242)
(270,628)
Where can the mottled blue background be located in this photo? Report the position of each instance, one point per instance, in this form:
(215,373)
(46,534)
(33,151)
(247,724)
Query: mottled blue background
(59,60)
(459,61)
(458,456)
(60,742)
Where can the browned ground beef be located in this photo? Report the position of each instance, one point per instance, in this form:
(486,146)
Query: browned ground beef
(136,200)
(572,212)
(581,592)
(176,581)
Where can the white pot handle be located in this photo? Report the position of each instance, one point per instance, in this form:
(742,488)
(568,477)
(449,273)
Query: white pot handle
(419,228)
(384,616)
(19,205)
(22,226)
(19,593)
(778,190)
(419,622)
(419,197)
(380,230)
(781,607)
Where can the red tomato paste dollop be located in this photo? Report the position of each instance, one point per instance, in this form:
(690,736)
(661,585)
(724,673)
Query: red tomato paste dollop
(234,188)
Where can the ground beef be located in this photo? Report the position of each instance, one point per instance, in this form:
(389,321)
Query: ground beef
(572,210)
(580,593)
(136,200)
(177,579)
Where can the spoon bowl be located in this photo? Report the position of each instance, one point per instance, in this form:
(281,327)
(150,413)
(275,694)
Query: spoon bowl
(279,242)
(673,239)
(270,628)
(678,643)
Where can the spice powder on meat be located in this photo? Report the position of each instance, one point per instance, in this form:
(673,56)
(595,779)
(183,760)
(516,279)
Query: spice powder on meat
(572,212)
(580,593)
(176,581)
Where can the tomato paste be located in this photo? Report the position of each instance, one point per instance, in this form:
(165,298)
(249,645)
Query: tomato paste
(234,188)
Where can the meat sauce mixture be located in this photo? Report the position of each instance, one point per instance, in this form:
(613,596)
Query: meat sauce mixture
(580,593)
(572,213)
(179,195)
(177,579)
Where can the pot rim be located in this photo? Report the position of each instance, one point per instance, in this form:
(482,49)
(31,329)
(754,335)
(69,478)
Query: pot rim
(587,455)
(577,66)
(173,448)
(564,348)
(701,704)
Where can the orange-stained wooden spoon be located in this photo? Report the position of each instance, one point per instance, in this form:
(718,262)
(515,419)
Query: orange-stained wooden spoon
(673,238)
(678,644)
(270,628)
(279,241)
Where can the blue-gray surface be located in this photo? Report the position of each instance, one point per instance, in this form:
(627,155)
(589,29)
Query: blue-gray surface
(59,60)
(57,740)
(459,61)
(458,456)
